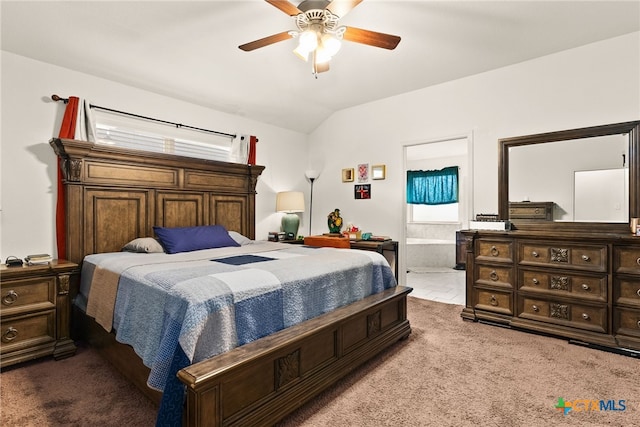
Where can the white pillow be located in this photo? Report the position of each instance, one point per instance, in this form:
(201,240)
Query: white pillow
(143,245)
(240,239)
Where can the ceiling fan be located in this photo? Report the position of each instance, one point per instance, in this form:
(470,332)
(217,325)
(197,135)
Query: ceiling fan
(318,31)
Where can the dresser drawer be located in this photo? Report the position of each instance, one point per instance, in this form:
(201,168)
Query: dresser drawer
(494,250)
(592,318)
(572,285)
(626,322)
(27,330)
(495,301)
(627,292)
(494,276)
(626,260)
(27,295)
(584,257)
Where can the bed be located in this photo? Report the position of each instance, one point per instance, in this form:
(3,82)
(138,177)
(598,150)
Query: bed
(114,196)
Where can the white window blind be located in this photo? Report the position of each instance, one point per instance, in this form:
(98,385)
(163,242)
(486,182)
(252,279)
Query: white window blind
(139,134)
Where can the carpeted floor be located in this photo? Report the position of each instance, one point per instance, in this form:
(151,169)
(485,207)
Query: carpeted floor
(448,373)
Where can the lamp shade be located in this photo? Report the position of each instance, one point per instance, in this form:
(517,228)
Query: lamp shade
(290,201)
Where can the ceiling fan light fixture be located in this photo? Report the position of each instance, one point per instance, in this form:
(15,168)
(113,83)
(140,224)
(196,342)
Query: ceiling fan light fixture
(308,41)
(301,53)
(330,44)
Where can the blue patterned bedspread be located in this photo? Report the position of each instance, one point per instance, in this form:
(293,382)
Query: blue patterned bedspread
(175,310)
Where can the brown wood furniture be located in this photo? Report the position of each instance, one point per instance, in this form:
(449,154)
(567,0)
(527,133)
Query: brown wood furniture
(387,248)
(35,311)
(531,210)
(584,288)
(116,195)
(578,280)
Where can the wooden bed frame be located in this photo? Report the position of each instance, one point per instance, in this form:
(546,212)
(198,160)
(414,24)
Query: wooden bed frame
(115,195)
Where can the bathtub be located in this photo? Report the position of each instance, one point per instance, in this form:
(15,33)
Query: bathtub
(427,253)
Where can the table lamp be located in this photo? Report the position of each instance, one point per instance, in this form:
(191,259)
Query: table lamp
(290,202)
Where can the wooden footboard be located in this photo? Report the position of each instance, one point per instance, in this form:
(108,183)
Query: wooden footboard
(263,381)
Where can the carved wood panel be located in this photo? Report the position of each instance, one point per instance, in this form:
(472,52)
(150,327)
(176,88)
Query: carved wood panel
(230,212)
(113,217)
(180,209)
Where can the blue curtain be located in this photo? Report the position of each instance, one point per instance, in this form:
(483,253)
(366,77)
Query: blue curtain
(435,187)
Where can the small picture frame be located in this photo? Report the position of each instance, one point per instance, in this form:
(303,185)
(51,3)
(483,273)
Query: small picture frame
(362,191)
(347,175)
(363,172)
(378,172)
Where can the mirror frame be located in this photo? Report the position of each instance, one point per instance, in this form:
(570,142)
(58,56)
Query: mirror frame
(632,128)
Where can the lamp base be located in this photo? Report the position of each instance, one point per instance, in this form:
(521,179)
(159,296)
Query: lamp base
(290,224)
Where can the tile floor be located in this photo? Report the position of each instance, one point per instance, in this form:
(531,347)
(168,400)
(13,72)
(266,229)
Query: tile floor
(438,284)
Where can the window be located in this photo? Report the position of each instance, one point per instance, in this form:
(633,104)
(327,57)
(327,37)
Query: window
(433,195)
(140,134)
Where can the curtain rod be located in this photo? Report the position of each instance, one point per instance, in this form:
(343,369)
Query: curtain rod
(178,125)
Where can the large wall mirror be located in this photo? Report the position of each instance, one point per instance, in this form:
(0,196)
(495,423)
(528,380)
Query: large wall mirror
(585,179)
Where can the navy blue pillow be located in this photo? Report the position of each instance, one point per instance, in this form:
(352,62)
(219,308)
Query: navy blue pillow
(186,239)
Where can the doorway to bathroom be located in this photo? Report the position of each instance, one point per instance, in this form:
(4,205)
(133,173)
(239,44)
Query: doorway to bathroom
(430,229)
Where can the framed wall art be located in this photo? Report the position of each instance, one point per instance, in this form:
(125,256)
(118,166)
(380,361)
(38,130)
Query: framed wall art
(378,172)
(362,191)
(363,172)
(347,175)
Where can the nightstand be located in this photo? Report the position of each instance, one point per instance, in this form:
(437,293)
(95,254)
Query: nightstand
(35,311)
(388,248)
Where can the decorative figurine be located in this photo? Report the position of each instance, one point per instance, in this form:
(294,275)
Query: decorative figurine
(334,221)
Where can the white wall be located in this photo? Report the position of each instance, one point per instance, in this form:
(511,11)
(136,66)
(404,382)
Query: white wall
(28,164)
(591,85)
(594,84)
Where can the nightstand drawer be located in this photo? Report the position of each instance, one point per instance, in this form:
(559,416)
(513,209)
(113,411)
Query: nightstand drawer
(27,330)
(29,294)
(592,318)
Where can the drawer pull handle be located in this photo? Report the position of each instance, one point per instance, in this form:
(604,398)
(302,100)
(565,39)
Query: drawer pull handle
(585,316)
(494,301)
(586,287)
(10,334)
(496,252)
(535,308)
(10,298)
(535,281)
(535,254)
(494,276)
(638,261)
(586,258)
(638,292)
(638,323)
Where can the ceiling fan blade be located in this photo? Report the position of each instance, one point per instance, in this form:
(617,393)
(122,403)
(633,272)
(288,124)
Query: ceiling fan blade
(285,6)
(342,7)
(265,41)
(372,38)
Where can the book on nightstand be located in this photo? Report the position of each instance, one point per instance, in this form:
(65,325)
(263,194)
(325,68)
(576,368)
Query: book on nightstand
(38,259)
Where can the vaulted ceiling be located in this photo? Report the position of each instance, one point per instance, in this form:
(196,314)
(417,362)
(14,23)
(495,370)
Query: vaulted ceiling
(189,49)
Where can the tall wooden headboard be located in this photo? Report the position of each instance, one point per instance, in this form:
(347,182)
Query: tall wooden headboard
(115,195)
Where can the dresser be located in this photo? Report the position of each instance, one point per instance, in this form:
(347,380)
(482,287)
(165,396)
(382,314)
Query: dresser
(586,288)
(35,311)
